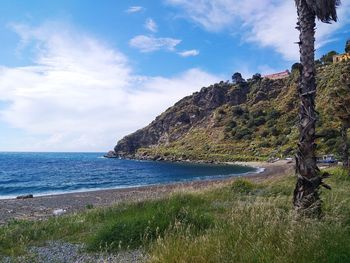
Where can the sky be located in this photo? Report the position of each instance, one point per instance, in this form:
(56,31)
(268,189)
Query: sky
(78,75)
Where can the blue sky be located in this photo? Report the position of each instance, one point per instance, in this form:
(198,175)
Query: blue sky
(77,75)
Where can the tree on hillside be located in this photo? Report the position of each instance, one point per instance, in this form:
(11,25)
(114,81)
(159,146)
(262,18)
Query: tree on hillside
(256,77)
(306,198)
(347,46)
(328,58)
(237,78)
(340,101)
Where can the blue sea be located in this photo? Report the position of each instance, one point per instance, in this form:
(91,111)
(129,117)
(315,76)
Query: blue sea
(56,173)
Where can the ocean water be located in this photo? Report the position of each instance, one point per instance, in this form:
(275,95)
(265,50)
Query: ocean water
(55,173)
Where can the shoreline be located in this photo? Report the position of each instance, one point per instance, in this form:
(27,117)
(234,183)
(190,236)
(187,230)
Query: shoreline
(255,165)
(42,207)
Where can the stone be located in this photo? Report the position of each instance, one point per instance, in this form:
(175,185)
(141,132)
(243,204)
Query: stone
(24,196)
(58,212)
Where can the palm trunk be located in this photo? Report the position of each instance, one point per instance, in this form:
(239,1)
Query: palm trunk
(306,198)
(345,147)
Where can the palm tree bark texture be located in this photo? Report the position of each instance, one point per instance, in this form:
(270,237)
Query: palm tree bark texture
(306,198)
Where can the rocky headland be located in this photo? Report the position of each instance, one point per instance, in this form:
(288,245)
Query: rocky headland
(242,120)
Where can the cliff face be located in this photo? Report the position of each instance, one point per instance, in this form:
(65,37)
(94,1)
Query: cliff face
(189,112)
(249,120)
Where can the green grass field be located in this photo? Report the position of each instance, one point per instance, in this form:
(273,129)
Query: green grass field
(242,222)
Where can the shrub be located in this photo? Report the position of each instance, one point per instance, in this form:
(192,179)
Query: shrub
(259,121)
(264,133)
(246,116)
(271,123)
(287,131)
(89,206)
(274,131)
(264,145)
(273,114)
(222,111)
(242,186)
(239,134)
(237,110)
(329,134)
(233,124)
(250,123)
(258,113)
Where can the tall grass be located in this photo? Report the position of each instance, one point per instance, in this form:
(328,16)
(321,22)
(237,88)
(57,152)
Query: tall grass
(142,223)
(241,222)
(259,226)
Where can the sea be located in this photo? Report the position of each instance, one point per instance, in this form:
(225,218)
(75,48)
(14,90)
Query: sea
(57,173)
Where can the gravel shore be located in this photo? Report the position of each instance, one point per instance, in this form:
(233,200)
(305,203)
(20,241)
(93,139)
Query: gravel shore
(63,252)
(42,207)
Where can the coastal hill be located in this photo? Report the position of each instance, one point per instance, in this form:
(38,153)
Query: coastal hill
(252,119)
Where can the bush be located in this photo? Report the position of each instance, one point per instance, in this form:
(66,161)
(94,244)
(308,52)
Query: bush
(264,145)
(222,111)
(264,133)
(258,113)
(287,131)
(271,123)
(329,134)
(281,141)
(331,142)
(233,132)
(273,115)
(239,134)
(237,110)
(232,124)
(250,123)
(246,116)
(274,131)
(243,186)
(259,121)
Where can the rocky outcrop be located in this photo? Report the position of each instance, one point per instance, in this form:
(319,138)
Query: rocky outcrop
(179,119)
(111,154)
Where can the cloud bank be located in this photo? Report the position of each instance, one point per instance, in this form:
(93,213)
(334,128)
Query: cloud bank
(269,23)
(81,94)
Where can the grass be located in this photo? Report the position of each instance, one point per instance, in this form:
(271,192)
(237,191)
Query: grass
(241,222)
(144,222)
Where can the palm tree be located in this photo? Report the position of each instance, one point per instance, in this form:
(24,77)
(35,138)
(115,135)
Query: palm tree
(306,198)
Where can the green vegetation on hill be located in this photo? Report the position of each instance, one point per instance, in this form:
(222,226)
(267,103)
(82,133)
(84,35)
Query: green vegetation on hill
(253,120)
(241,222)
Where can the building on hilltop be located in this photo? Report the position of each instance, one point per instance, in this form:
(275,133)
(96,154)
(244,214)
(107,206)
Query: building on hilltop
(341,57)
(279,75)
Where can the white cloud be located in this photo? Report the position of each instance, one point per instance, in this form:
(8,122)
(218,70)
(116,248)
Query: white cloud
(79,94)
(269,23)
(151,25)
(189,53)
(134,9)
(150,43)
